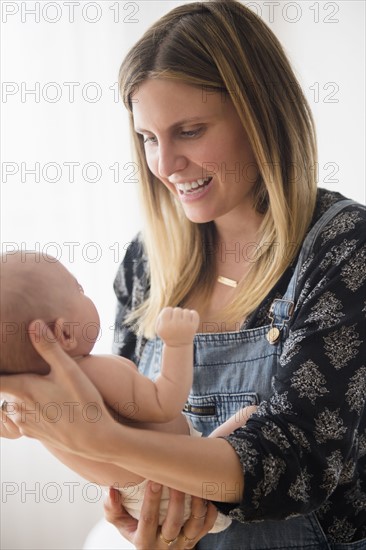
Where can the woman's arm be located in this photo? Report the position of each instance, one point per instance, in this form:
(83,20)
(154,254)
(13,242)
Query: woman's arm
(101,473)
(203,467)
(106,473)
(207,468)
(302,445)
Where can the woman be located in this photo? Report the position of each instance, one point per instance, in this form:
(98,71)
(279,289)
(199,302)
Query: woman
(236,228)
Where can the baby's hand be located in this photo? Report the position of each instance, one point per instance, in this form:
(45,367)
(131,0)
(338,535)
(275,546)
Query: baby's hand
(239,419)
(177,326)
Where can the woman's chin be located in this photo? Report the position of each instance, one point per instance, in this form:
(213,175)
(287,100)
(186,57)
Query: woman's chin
(199,217)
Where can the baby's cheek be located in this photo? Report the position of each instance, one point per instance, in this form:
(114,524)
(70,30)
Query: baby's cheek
(89,336)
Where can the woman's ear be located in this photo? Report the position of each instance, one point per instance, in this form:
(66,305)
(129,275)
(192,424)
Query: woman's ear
(65,334)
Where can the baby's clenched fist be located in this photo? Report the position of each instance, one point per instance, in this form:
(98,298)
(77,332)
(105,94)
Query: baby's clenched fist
(177,326)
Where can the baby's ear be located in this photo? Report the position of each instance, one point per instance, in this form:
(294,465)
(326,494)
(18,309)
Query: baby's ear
(65,334)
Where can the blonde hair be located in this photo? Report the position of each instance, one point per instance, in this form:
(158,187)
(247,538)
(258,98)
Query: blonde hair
(224,47)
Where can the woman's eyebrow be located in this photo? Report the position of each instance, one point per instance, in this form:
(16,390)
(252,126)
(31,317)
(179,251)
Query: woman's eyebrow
(178,123)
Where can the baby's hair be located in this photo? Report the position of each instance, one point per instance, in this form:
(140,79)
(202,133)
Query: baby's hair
(26,293)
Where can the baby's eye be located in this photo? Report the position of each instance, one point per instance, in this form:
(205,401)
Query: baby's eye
(80,288)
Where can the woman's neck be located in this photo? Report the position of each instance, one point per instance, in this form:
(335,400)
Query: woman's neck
(238,226)
(237,243)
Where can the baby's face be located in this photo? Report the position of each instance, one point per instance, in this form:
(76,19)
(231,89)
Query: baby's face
(82,316)
(87,323)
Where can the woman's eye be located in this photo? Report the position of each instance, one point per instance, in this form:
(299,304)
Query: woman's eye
(81,288)
(191,133)
(150,139)
(182,133)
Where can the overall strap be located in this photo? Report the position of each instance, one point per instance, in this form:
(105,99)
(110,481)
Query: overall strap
(281,310)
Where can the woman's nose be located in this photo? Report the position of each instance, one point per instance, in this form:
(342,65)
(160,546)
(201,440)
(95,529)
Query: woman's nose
(171,159)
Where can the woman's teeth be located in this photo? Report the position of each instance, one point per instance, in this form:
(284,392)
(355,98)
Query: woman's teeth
(193,185)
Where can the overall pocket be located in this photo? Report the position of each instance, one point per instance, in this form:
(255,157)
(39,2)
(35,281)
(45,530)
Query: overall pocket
(208,412)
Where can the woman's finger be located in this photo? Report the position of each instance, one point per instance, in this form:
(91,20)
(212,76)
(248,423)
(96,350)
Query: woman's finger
(174,519)
(46,344)
(194,524)
(117,515)
(8,429)
(198,509)
(15,384)
(149,518)
(210,519)
(202,519)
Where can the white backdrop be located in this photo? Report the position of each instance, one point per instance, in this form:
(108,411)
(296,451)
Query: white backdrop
(68,181)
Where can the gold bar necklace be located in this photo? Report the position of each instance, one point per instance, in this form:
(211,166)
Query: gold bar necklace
(226,281)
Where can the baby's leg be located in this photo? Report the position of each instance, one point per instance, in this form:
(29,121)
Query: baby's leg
(236,421)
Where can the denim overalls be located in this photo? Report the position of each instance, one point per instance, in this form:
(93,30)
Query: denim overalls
(233,370)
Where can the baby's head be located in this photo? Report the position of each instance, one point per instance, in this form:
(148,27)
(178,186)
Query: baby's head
(37,286)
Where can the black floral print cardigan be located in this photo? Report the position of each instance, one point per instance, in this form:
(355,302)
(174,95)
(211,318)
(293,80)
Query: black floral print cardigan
(306,447)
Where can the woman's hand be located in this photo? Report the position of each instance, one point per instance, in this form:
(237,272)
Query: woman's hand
(7,428)
(64,399)
(174,533)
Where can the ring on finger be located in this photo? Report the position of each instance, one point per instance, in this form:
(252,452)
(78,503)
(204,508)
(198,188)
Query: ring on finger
(167,541)
(186,539)
(3,405)
(198,517)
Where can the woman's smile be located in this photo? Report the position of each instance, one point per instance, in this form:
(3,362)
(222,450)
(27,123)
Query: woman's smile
(190,191)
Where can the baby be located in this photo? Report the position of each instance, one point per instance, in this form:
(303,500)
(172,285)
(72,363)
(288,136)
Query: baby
(37,286)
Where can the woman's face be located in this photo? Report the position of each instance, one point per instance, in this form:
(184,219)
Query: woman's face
(196,146)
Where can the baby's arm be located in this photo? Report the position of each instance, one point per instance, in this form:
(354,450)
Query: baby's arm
(114,377)
(136,397)
(236,421)
(177,328)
